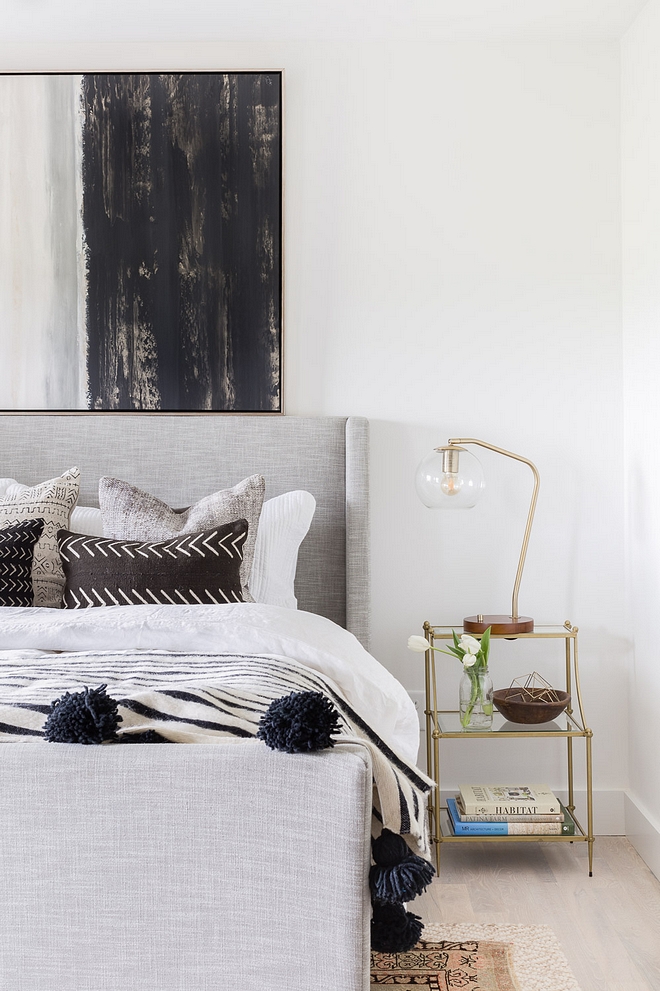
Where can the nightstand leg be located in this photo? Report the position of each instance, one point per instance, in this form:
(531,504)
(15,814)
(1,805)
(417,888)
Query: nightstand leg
(590,809)
(569,740)
(437,800)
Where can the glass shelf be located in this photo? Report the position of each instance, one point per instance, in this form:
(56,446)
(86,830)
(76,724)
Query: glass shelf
(449,725)
(538,633)
(448,835)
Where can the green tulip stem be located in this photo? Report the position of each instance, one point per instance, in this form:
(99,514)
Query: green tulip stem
(476,694)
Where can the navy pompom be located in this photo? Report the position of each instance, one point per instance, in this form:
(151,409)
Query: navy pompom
(143,736)
(398,875)
(89,716)
(389,848)
(299,722)
(393,930)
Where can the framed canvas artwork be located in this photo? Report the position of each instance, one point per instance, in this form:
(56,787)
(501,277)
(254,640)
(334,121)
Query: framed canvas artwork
(141,241)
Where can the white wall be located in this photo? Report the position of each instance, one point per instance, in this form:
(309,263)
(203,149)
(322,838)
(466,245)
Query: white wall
(453,268)
(641,336)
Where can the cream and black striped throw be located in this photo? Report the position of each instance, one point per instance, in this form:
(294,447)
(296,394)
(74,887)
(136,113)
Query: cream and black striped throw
(199,698)
(191,569)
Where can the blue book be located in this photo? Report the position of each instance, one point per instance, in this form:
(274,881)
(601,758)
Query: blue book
(461,828)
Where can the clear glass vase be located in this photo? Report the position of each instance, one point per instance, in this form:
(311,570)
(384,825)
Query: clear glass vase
(475,699)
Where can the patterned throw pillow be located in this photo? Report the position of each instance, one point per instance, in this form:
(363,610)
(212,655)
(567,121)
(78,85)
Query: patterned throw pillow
(130,513)
(52,502)
(283,525)
(195,569)
(16,552)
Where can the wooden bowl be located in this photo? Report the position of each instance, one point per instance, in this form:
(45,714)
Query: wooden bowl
(537,711)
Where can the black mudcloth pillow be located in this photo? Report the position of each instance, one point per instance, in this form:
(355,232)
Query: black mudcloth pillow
(16,551)
(195,569)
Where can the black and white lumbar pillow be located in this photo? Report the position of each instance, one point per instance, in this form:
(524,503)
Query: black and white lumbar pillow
(190,569)
(16,553)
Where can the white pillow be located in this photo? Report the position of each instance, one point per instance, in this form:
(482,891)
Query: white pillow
(85,519)
(10,487)
(283,525)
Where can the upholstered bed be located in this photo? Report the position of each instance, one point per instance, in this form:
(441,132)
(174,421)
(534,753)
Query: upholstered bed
(193,868)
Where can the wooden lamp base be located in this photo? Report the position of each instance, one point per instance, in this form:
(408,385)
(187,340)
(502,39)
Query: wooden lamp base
(499,625)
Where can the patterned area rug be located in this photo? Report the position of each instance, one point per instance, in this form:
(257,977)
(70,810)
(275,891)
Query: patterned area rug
(478,958)
(446,965)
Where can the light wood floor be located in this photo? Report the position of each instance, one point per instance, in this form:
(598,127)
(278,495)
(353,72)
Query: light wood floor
(608,925)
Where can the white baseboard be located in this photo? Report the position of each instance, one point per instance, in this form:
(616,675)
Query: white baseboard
(643,833)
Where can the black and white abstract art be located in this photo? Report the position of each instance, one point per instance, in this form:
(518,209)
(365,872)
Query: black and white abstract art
(140,241)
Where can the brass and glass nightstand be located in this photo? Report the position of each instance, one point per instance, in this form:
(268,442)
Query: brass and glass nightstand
(445,725)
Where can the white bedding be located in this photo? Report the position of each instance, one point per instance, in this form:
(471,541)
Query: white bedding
(304,637)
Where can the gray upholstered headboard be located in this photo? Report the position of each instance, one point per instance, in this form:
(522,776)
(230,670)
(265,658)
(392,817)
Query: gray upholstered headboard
(181,458)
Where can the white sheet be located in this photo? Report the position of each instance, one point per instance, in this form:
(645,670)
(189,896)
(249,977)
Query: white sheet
(246,628)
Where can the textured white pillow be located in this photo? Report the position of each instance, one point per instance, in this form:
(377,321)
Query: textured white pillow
(130,513)
(284,523)
(53,502)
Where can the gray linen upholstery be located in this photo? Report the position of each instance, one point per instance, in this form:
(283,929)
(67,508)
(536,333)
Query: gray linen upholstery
(224,867)
(184,883)
(358,562)
(181,459)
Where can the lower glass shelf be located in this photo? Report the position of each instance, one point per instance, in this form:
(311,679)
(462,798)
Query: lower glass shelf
(447,835)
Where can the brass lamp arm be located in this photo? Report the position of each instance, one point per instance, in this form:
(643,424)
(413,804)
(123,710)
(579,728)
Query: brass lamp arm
(530,515)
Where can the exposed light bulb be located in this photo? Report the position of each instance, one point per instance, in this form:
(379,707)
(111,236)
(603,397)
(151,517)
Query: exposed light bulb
(449,478)
(450,483)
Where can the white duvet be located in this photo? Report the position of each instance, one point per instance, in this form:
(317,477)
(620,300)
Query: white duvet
(244,628)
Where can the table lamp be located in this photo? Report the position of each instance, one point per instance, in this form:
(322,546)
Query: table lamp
(451,478)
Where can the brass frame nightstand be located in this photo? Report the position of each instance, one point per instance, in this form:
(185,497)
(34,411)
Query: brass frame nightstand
(443,724)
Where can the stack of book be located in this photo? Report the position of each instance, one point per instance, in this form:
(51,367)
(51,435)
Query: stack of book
(503,810)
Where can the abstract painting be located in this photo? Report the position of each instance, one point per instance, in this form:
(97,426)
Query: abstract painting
(141,241)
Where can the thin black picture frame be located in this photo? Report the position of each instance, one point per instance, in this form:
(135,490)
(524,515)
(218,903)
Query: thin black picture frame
(218,166)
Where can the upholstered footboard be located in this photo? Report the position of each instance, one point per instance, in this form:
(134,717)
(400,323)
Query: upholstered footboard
(183,868)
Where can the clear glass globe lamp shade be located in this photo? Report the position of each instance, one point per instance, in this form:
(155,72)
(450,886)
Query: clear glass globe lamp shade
(449,478)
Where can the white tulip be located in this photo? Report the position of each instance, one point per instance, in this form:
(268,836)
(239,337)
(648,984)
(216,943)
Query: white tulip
(469,660)
(469,644)
(418,644)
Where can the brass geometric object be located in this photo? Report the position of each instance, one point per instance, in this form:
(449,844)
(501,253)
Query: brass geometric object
(532,688)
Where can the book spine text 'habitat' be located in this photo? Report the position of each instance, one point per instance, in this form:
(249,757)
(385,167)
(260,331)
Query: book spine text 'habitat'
(494,828)
(507,801)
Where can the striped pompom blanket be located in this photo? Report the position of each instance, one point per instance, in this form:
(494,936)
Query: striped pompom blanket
(199,695)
